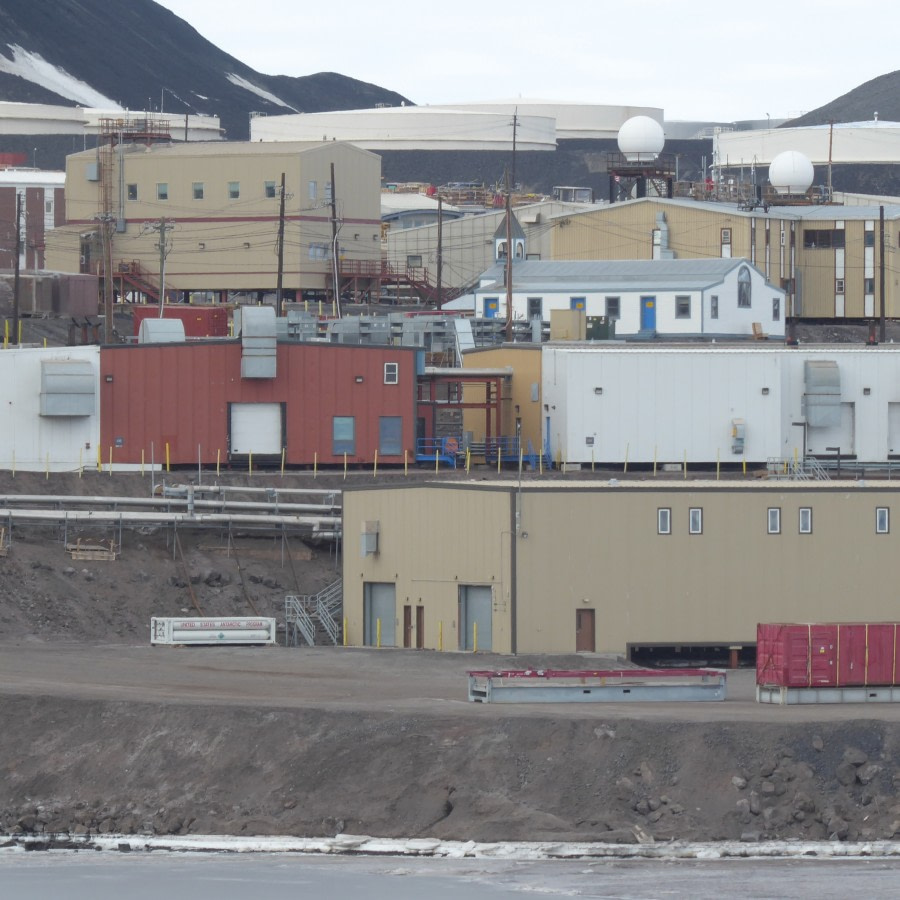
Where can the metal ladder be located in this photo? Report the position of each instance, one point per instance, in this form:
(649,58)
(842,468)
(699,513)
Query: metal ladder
(303,614)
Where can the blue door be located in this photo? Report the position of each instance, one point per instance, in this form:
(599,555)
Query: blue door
(491,307)
(648,313)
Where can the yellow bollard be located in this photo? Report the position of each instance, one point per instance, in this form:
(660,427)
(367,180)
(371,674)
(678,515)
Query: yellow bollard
(316,464)
(436,461)
(498,457)
(345,466)
(440,635)
(20,332)
(344,632)
(218,460)
(378,633)
(375,466)
(406,462)
(474,637)
(168,468)
(282,462)
(99,459)
(5,333)
(744,464)
(110,461)
(142,461)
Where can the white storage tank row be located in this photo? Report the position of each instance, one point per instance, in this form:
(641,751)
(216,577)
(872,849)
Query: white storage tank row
(233,631)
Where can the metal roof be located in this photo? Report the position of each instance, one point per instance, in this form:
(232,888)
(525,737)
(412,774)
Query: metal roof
(624,274)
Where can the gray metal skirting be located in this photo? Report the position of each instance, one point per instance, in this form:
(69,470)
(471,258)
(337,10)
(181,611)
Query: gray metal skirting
(788,696)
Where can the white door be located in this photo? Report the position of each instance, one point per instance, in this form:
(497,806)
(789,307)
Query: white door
(256,428)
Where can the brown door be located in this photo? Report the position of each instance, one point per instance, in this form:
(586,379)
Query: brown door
(420,628)
(407,626)
(584,631)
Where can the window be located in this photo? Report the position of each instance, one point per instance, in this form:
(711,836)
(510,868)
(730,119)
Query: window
(714,307)
(823,238)
(392,373)
(613,307)
(805,520)
(390,435)
(328,191)
(869,286)
(726,235)
(774,520)
(313,190)
(343,435)
(269,189)
(318,250)
(839,285)
(664,521)
(776,309)
(414,262)
(695,520)
(682,307)
(744,283)
(882,520)
(234,190)
(197,190)
(131,192)
(162,191)
(869,240)
(535,308)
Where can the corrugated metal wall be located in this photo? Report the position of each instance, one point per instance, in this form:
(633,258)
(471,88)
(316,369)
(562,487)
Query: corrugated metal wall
(180,394)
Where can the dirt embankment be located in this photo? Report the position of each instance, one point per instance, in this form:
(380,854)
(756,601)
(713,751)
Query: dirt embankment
(382,743)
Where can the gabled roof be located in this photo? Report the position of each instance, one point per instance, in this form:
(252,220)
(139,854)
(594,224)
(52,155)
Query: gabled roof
(515,229)
(624,274)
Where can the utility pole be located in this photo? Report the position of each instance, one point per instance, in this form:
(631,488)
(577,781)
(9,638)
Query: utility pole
(162,226)
(509,258)
(881,324)
(336,290)
(106,221)
(279,293)
(440,252)
(15,334)
(830,141)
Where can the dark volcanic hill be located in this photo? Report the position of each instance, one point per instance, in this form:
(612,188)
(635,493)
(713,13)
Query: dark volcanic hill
(880,95)
(138,52)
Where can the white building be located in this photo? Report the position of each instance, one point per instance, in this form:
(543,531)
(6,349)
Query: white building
(666,297)
(50,420)
(705,404)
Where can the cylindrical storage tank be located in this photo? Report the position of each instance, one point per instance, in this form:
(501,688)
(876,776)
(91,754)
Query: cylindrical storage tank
(791,173)
(641,138)
(212,631)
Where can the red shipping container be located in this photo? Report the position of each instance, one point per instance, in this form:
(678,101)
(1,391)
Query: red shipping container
(842,654)
(199,321)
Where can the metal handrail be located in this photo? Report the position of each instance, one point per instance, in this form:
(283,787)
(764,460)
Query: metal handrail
(298,622)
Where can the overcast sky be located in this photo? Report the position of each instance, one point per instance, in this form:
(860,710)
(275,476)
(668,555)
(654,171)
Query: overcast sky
(709,61)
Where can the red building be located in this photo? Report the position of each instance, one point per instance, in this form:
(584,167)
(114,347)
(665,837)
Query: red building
(213,402)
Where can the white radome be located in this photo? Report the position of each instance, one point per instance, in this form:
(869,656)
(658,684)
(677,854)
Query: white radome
(791,173)
(641,137)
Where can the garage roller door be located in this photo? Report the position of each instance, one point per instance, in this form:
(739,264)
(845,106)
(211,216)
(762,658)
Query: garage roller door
(256,428)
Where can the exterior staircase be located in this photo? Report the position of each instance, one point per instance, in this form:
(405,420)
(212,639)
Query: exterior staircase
(315,619)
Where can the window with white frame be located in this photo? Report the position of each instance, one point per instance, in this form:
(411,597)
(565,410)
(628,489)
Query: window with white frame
(744,285)
(313,189)
(682,307)
(664,520)
(695,520)
(805,520)
(391,373)
(774,520)
(882,520)
(269,189)
(776,309)
(162,190)
(839,285)
(714,306)
(726,235)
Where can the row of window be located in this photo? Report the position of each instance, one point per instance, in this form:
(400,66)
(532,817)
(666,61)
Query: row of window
(390,435)
(614,307)
(773,520)
(232,190)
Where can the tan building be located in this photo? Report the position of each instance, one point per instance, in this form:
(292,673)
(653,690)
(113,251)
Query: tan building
(826,257)
(219,204)
(562,567)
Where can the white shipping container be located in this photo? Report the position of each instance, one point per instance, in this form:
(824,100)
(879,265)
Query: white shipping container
(212,631)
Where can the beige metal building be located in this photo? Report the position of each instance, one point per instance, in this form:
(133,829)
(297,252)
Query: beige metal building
(610,567)
(220,206)
(825,256)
